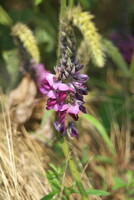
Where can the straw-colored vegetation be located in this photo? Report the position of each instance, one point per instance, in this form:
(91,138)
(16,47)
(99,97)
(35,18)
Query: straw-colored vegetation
(22,161)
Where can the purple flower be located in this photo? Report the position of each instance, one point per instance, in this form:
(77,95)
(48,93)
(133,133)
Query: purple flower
(65,90)
(64,98)
(125,44)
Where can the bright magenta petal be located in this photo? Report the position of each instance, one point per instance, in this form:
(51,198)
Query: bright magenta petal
(64,107)
(43,91)
(74,109)
(63,87)
(56,107)
(50,78)
(51,94)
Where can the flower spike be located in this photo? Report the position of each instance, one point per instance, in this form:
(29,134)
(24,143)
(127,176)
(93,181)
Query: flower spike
(66,89)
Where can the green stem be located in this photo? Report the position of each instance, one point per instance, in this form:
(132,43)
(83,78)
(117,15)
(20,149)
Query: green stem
(62,8)
(73,168)
(71,3)
(62,13)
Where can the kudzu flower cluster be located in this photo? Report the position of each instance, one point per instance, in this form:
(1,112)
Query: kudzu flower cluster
(66,88)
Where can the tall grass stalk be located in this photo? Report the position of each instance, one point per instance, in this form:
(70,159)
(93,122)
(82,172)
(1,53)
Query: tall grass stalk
(71,3)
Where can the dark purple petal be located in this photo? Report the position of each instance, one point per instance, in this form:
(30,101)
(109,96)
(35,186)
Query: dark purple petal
(49,107)
(62,116)
(83,109)
(60,127)
(77,84)
(81,77)
(78,67)
(79,97)
(83,91)
(72,130)
(80,103)
(75,117)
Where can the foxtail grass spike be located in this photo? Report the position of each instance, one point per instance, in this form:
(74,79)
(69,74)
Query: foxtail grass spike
(24,34)
(82,20)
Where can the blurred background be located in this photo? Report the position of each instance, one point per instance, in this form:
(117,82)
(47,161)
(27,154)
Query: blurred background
(111,88)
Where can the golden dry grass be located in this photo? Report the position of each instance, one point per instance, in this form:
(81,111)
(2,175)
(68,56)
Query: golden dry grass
(22,162)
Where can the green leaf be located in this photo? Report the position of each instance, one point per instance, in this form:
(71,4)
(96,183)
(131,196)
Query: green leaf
(116,56)
(95,122)
(56,169)
(119,183)
(97,192)
(49,196)
(118,186)
(4,17)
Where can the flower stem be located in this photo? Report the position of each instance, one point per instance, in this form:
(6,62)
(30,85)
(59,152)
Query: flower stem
(71,3)
(73,168)
(62,13)
(62,8)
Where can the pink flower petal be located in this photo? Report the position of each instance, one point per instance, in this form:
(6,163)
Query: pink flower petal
(64,107)
(56,107)
(55,85)
(51,94)
(63,87)
(74,109)
(43,91)
(50,78)
(60,108)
